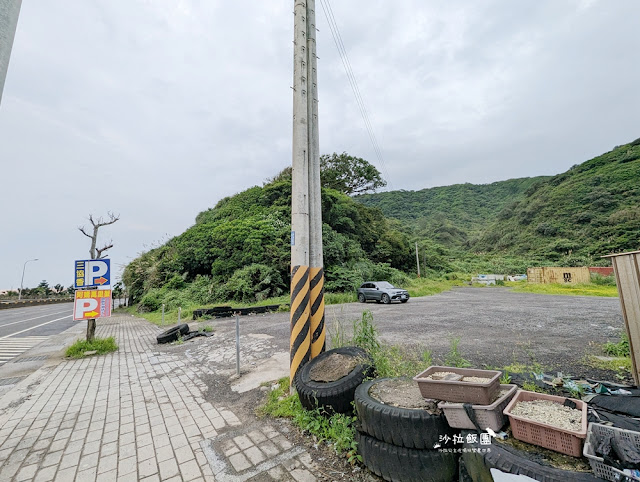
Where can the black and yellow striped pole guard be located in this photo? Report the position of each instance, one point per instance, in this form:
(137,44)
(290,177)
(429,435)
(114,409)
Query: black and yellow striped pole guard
(316,290)
(300,344)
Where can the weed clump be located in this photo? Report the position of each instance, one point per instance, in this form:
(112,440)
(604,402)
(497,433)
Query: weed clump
(99,345)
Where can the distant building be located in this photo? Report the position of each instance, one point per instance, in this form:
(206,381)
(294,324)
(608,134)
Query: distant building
(602,271)
(9,11)
(487,279)
(558,275)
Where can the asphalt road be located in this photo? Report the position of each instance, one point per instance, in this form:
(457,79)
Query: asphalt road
(43,320)
(495,326)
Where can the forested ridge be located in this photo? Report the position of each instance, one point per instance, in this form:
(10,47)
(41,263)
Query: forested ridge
(239,249)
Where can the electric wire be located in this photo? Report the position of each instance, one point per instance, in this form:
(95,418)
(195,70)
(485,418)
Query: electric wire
(342,51)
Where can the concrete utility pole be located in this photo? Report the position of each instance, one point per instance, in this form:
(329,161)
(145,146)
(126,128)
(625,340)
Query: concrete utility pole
(9,11)
(307,273)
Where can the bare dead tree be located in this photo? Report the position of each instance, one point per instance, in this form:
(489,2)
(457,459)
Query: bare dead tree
(97,253)
(97,224)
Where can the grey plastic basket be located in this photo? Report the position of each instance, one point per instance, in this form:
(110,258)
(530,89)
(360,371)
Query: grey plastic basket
(595,433)
(490,416)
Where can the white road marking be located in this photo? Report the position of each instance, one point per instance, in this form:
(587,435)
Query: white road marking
(34,327)
(12,348)
(30,319)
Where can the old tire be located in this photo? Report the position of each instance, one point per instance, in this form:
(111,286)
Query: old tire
(336,396)
(361,298)
(400,464)
(403,301)
(513,461)
(172,334)
(403,427)
(385,298)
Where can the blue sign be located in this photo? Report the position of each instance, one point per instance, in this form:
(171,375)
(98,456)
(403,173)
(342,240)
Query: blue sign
(92,273)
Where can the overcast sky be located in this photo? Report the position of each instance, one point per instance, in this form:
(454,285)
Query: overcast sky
(157,109)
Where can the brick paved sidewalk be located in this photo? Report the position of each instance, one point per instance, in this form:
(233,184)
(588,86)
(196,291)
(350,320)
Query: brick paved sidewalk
(137,414)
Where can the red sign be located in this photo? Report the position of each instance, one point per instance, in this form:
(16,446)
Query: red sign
(92,304)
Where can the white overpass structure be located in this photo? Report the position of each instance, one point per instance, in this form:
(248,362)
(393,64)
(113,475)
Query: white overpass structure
(9,11)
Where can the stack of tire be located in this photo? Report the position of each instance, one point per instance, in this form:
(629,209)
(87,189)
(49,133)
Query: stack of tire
(172,334)
(403,444)
(335,396)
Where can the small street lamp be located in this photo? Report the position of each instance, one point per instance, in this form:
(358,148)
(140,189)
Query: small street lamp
(22,280)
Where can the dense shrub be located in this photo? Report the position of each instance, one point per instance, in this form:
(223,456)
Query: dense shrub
(255,282)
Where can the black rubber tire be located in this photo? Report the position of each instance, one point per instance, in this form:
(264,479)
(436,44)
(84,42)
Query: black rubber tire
(513,461)
(362,298)
(172,334)
(400,464)
(385,298)
(334,397)
(403,427)
(403,301)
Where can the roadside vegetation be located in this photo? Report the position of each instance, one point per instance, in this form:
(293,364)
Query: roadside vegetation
(99,345)
(584,289)
(612,356)
(186,298)
(338,430)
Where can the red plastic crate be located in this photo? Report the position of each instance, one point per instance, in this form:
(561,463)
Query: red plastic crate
(547,436)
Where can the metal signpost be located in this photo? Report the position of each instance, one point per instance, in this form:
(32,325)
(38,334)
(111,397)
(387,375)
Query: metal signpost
(92,273)
(92,304)
(92,281)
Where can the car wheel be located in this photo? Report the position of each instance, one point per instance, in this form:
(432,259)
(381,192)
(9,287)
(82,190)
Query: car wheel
(361,298)
(403,301)
(336,396)
(395,463)
(402,427)
(172,334)
(385,299)
(515,461)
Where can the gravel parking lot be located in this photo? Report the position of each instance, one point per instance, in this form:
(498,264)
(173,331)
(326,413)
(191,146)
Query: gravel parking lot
(495,325)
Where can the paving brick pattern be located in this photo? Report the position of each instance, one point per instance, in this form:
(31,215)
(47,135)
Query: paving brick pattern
(137,414)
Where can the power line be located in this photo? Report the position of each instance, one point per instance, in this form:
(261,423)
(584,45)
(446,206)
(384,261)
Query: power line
(337,38)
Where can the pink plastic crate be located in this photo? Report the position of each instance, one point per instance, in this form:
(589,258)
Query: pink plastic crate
(547,436)
(459,391)
(490,416)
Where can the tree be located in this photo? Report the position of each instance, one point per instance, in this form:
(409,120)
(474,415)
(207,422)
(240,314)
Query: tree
(43,288)
(97,253)
(349,174)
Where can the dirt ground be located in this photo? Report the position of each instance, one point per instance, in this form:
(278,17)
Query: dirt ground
(496,327)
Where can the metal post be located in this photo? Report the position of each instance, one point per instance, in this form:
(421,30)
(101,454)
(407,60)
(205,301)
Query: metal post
(179,313)
(237,344)
(22,280)
(163,313)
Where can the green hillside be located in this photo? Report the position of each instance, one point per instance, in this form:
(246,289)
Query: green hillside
(591,210)
(240,249)
(450,215)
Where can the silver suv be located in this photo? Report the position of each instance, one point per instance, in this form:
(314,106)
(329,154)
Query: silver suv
(381,292)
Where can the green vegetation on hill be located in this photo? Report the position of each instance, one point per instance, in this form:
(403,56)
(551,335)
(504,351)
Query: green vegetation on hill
(239,250)
(450,215)
(575,217)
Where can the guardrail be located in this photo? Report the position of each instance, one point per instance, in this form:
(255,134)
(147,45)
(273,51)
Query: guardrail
(227,311)
(6,304)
